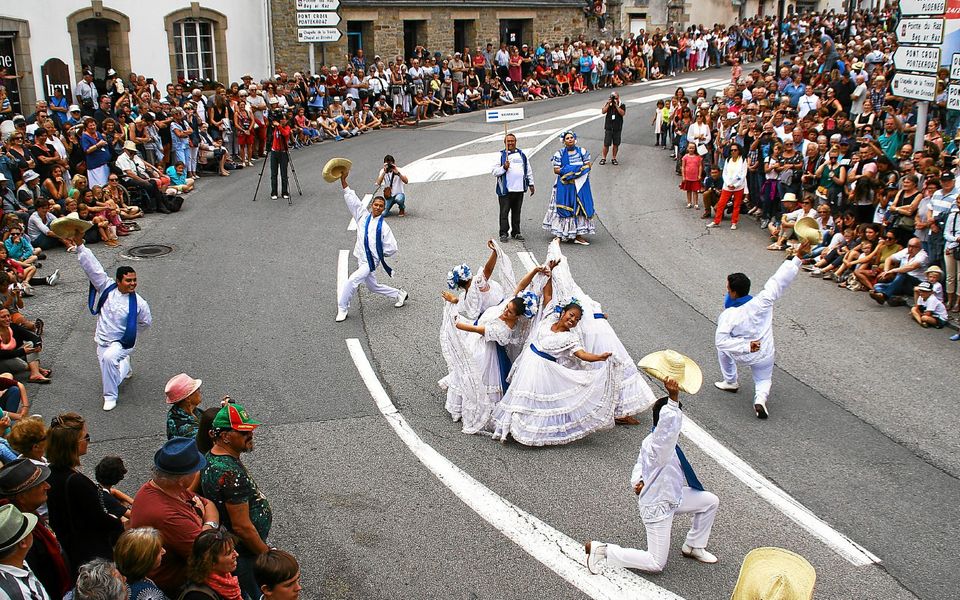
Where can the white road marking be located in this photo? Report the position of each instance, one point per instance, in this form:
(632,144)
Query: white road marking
(708,82)
(528,259)
(673,82)
(719,86)
(650,98)
(561,553)
(853,552)
(342,260)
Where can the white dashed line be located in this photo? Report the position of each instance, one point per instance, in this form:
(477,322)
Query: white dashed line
(558,551)
(342,260)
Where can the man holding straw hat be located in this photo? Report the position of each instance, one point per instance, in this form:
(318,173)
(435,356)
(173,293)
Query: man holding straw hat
(663,479)
(745,328)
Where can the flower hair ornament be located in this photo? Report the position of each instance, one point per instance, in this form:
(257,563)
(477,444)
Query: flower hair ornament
(568,132)
(458,274)
(562,306)
(531,303)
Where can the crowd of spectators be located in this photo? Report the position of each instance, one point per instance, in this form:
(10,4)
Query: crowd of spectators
(825,137)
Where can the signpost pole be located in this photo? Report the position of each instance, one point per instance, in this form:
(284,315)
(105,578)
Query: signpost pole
(922,108)
(313,61)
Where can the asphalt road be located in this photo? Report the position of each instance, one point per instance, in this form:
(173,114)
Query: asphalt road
(863,431)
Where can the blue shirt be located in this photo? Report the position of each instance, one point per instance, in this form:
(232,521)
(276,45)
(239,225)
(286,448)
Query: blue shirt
(176,178)
(97,158)
(21,251)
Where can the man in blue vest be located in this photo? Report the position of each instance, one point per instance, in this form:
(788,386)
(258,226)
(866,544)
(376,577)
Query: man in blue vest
(121,313)
(514,176)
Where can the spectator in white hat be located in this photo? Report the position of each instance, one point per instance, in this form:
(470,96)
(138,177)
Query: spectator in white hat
(16,539)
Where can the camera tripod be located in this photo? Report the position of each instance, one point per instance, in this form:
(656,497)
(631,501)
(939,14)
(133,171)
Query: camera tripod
(263,167)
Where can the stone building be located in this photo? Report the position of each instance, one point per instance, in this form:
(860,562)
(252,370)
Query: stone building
(393,27)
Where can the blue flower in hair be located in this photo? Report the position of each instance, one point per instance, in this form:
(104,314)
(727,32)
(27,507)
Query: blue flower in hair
(564,305)
(458,274)
(531,304)
(568,132)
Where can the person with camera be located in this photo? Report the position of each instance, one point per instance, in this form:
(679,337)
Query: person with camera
(393,181)
(280,132)
(514,176)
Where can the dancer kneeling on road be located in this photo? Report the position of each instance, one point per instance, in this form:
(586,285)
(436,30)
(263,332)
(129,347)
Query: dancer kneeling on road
(375,242)
(663,479)
(745,329)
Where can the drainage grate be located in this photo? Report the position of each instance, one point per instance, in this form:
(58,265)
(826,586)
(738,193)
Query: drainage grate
(149,251)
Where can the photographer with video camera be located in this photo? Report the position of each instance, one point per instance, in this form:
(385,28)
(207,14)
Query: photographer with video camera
(279,133)
(612,126)
(393,181)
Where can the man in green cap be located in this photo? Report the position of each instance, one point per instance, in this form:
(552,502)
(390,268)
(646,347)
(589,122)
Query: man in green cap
(244,510)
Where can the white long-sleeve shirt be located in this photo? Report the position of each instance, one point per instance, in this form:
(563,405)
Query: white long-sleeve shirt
(515,176)
(737,326)
(735,174)
(658,466)
(112,321)
(360,213)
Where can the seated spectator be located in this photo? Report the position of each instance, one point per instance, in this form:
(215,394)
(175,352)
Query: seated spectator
(929,311)
(11,298)
(138,552)
(178,178)
(109,472)
(38,230)
(17,580)
(19,247)
(23,484)
(212,153)
(99,579)
(141,175)
(792,214)
(30,193)
(210,571)
(183,397)
(117,196)
(278,575)
(20,349)
(901,272)
(101,229)
(11,203)
(28,437)
(14,403)
(167,503)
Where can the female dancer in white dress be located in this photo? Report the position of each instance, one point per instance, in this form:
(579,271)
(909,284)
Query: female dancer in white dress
(599,337)
(554,397)
(570,213)
(480,353)
(480,291)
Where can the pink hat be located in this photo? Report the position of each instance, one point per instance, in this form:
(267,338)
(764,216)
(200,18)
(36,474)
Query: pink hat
(180,386)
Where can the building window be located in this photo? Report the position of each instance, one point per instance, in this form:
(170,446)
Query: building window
(194,49)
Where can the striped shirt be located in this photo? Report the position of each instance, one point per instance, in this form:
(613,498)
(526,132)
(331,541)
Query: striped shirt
(20,584)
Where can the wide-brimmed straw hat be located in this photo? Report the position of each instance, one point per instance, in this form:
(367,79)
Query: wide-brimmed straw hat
(807,229)
(336,167)
(70,226)
(671,364)
(775,574)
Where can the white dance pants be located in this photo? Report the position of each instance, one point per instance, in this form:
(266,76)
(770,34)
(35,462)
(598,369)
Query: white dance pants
(114,367)
(762,375)
(703,506)
(364,276)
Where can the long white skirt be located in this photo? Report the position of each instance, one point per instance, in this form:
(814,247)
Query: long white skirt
(635,394)
(548,404)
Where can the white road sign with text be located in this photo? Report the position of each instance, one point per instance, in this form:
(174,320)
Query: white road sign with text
(317,19)
(500,115)
(953,97)
(920,31)
(922,59)
(318,34)
(318,4)
(916,87)
(923,8)
(955,66)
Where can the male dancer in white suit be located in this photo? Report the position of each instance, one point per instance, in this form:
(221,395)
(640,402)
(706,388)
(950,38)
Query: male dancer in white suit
(745,330)
(375,242)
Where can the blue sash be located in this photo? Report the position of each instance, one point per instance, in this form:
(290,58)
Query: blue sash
(542,354)
(729,302)
(599,316)
(366,246)
(129,337)
(569,201)
(503,362)
(688,473)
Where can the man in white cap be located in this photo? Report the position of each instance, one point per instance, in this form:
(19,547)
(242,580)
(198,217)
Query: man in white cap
(745,329)
(663,479)
(121,312)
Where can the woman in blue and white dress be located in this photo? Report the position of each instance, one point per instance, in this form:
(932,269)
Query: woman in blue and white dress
(480,353)
(480,291)
(555,396)
(570,214)
(599,337)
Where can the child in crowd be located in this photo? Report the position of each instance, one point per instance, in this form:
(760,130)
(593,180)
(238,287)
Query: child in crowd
(661,118)
(929,310)
(692,169)
(934,274)
(109,472)
(178,178)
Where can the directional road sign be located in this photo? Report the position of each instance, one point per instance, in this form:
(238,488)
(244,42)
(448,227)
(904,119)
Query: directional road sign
(317,19)
(955,66)
(318,34)
(921,8)
(501,115)
(916,87)
(922,59)
(920,31)
(322,4)
(953,97)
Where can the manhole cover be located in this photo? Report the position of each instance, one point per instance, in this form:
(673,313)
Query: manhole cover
(149,251)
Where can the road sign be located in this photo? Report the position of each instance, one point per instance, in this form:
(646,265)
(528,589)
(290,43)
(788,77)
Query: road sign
(502,115)
(955,66)
(953,97)
(920,31)
(922,8)
(322,4)
(916,87)
(317,19)
(922,59)
(318,34)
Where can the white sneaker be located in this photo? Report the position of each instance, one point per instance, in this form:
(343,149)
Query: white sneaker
(596,557)
(341,315)
(53,278)
(711,225)
(727,387)
(402,299)
(761,409)
(734,226)
(109,403)
(698,554)
(273,196)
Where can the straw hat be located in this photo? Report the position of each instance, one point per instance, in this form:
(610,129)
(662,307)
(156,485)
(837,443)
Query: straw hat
(775,574)
(808,229)
(670,363)
(70,226)
(336,167)
(180,386)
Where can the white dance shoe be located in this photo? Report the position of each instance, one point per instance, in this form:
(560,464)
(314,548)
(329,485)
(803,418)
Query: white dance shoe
(698,554)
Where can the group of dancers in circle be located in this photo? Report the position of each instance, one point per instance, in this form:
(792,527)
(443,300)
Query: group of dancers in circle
(534,360)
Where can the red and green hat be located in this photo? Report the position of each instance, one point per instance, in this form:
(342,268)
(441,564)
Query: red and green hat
(234,416)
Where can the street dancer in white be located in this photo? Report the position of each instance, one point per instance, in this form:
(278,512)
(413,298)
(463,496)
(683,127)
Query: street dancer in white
(375,242)
(663,479)
(745,330)
(121,314)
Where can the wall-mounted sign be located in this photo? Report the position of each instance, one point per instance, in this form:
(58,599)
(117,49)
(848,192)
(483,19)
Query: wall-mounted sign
(915,87)
(922,59)
(56,75)
(318,34)
(319,4)
(317,19)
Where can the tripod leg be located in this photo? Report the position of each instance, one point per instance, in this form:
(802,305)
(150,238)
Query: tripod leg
(295,178)
(262,167)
